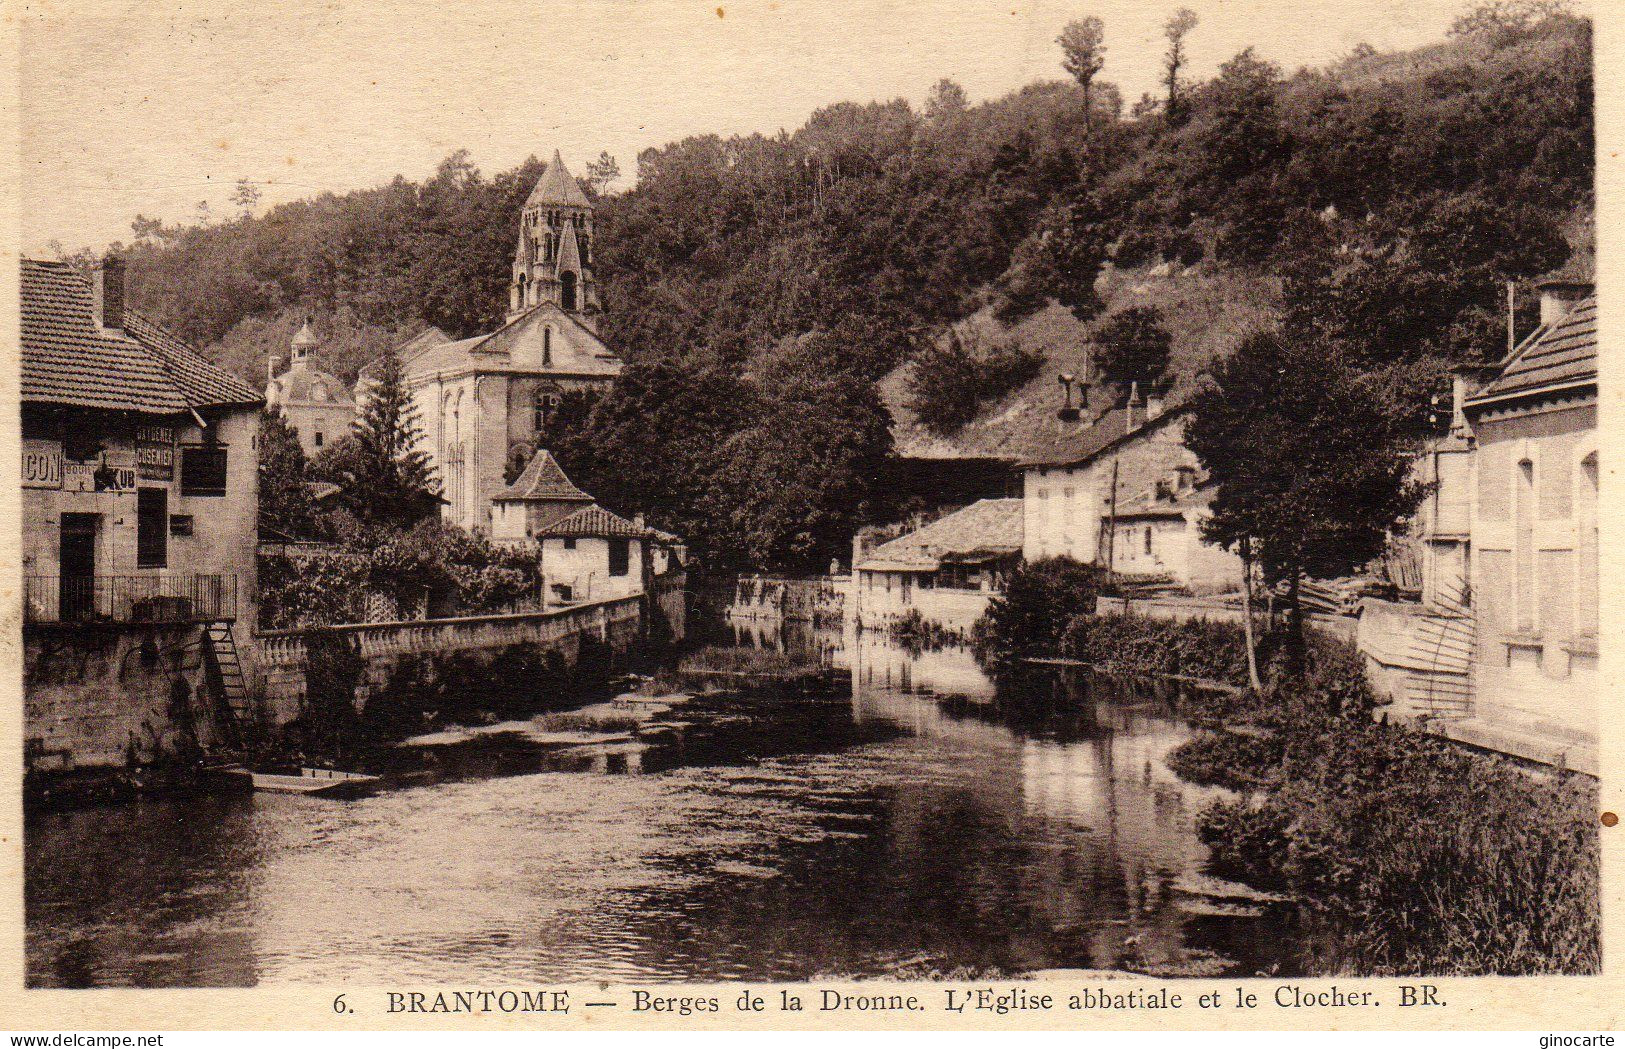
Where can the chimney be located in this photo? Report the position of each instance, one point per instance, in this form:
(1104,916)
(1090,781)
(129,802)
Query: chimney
(107,293)
(1153,404)
(1557,298)
(1133,413)
(637,519)
(1465,381)
(271,361)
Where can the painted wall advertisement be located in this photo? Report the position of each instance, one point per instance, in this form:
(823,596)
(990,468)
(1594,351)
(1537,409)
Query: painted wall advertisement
(155,453)
(42,464)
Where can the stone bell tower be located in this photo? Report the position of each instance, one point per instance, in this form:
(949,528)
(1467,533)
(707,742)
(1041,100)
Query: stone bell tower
(554,260)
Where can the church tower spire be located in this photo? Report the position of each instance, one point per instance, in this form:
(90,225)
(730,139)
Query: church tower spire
(553,262)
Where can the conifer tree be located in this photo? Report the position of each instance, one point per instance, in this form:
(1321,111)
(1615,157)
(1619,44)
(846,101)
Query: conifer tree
(283,474)
(386,477)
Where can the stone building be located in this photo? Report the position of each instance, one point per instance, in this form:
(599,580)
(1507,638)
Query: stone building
(587,552)
(139,514)
(317,405)
(946,571)
(485,404)
(1125,491)
(1502,648)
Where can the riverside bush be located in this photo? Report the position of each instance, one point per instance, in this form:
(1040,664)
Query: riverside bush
(1237,760)
(1409,854)
(1040,598)
(1131,644)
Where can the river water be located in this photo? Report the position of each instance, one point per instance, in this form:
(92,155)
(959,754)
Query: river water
(911,819)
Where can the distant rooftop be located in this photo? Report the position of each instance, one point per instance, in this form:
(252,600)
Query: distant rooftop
(983,531)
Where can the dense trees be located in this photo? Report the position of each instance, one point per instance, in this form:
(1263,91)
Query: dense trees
(284,472)
(1308,458)
(1392,195)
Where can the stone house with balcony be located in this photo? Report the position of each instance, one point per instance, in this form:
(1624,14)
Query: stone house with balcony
(139,528)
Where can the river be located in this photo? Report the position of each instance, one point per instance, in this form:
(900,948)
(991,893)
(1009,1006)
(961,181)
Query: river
(911,819)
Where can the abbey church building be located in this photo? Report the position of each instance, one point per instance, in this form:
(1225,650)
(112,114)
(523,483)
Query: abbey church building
(485,404)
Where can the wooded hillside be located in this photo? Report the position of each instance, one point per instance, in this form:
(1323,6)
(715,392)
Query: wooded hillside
(761,283)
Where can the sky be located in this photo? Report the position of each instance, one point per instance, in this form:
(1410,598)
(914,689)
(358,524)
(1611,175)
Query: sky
(147,108)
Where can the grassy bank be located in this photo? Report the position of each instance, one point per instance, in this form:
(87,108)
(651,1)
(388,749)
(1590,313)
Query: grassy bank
(1408,854)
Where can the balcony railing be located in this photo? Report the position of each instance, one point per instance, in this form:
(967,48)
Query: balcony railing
(129,598)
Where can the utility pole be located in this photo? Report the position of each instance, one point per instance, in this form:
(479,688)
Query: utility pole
(1111,528)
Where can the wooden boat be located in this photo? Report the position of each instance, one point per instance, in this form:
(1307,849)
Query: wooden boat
(310,781)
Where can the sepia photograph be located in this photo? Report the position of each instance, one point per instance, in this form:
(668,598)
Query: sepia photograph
(539,492)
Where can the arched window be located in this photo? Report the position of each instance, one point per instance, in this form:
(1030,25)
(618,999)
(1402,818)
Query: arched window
(1148,540)
(1585,542)
(524,283)
(586,250)
(551,246)
(547,345)
(1523,547)
(567,291)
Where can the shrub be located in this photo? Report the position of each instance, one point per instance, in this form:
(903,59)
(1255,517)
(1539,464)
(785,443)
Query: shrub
(949,381)
(1130,644)
(1132,346)
(1040,599)
(1239,761)
(1409,854)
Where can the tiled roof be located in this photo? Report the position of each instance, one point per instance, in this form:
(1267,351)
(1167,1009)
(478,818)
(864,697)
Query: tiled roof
(544,479)
(1085,443)
(592,522)
(299,384)
(991,526)
(556,186)
(1560,355)
(428,338)
(68,360)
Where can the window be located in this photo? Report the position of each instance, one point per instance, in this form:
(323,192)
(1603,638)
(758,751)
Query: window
(1523,546)
(152,528)
(569,544)
(318,438)
(567,291)
(547,347)
(1148,540)
(203,470)
(1586,540)
(620,556)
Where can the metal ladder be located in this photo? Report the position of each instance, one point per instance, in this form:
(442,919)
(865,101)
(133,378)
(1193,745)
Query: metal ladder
(226,675)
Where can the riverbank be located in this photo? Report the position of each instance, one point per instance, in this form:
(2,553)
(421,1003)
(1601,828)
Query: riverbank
(1407,854)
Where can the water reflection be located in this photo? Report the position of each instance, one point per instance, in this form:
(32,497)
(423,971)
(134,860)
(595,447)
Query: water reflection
(920,821)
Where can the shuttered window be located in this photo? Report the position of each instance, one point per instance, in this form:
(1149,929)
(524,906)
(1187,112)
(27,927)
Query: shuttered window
(203,470)
(620,556)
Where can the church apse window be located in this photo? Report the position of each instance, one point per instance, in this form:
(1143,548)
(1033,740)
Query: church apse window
(547,345)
